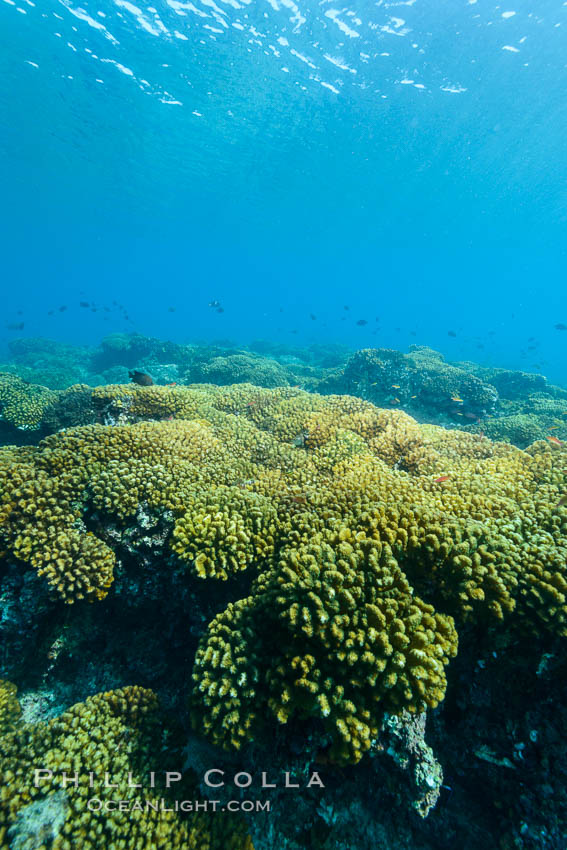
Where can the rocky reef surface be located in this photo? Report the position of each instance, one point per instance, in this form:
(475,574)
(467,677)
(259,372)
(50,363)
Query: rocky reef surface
(363,611)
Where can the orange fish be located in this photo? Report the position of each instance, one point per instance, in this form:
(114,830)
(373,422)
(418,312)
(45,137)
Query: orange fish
(555,441)
(553,427)
(441,479)
(456,398)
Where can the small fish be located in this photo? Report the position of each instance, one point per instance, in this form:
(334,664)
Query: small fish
(395,386)
(346,307)
(553,427)
(472,416)
(140,378)
(171,309)
(560,327)
(451,333)
(413,396)
(456,398)
(214,303)
(562,501)
(441,479)
(84,304)
(312,316)
(15,326)
(396,401)
(362,322)
(172,384)
(555,441)
(299,499)
(62,308)
(220,309)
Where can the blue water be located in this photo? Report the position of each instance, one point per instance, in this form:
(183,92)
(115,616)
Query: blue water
(288,158)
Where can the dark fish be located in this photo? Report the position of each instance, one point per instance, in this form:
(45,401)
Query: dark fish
(15,326)
(560,327)
(220,309)
(214,303)
(362,322)
(171,309)
(312,316)
(451,333)
(83,303)
(140,378)
(20,313)
(346,307)
(50,312)
(62,308)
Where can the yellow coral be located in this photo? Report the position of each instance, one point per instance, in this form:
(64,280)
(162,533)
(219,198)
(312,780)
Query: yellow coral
(22,404)
(104,749)
(9,706)
(369,539)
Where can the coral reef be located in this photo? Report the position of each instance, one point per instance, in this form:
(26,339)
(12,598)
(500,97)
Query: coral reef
(326,573)
(421,381)
(9,707)
(513,406)
(23,405)
(240,369)
(52,772)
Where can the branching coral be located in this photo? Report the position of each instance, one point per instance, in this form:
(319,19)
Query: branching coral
(334,632)
(368,541)
(9,707)
(23,405)
(109,748)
